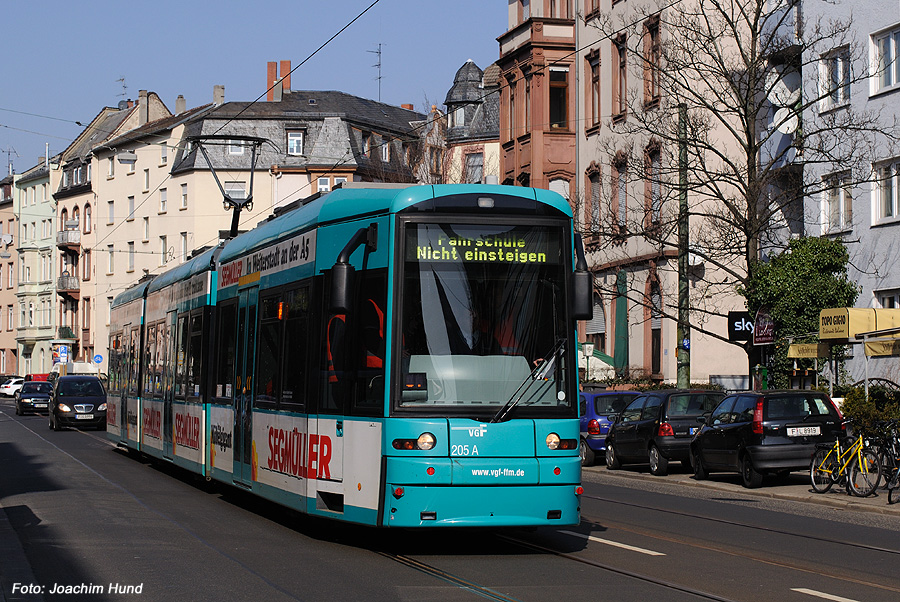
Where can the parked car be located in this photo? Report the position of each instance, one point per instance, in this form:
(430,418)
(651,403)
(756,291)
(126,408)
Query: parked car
(761,433)
(596,409)
(657,427)
(9,388)
(34,396)
(77,400)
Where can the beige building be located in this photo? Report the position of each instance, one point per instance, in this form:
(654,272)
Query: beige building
(8,240)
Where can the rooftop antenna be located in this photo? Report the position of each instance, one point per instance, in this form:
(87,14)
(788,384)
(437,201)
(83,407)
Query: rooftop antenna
(10,151)
(124,93)
(378,66)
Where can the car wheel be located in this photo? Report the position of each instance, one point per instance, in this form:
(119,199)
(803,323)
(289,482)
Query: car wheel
(18,410)
(751,478)
(612,458)
(55,425)
(587,454)
(659,465)
(700,472)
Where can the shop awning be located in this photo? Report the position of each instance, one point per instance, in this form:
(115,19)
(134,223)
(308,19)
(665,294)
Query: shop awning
(844,323)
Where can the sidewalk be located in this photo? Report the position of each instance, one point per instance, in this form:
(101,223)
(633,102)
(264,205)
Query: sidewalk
(795,487)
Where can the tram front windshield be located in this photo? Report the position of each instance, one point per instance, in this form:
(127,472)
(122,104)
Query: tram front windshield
(483,320)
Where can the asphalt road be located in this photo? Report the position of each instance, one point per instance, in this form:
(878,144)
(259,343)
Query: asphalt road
(77,513)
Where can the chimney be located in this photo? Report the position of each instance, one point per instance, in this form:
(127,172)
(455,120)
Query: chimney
(286,75)
(219,94)
(271,75)
(143,108)
(408,107)
(277,91)
(180,104)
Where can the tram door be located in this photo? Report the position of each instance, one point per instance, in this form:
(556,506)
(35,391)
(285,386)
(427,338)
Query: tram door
(243,397)
(167,355)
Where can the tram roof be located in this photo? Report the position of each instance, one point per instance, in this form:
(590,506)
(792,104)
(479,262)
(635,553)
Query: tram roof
(201,263)
(130,294)
(364,199)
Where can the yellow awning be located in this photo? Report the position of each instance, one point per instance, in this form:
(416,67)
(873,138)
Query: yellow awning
(844,323)
(883,348)
(808,350)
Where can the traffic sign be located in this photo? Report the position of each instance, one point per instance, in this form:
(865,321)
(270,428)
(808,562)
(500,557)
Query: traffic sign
(98,359)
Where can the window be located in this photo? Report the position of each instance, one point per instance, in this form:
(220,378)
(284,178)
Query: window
(184,246)
(511,86)
(386,150)
(110,254)
(620,191)
(620,77)
(594,70)
(163,154)
(656,314)
(10,323)
(295,142)
(887,67)
(365,143)
(10,275)
(595,328)
(526,9)
(474,168)
(88,169)
(836,78)
(323,184)
(163,250)
(458,117)
(595,203)
(652,59)
(111,167)
(888,299)
(886,190)
(131,256)
(235,191)
(338,181)
(87,219)
(146,229)
(146,180)
(110,212)
(235,147)
(838,203)
(77,175)
(559,98)
(528,126)
(65,179)
(86,264)
(184,196)
(30,315)
(163,200)
(131,165)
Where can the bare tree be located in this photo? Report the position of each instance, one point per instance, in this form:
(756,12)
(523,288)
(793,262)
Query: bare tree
(768,129)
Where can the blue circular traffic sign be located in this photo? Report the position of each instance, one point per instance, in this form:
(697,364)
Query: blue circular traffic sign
(98,358)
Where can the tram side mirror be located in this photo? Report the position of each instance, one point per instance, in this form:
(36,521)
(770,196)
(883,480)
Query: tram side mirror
(582,293)
(341,287)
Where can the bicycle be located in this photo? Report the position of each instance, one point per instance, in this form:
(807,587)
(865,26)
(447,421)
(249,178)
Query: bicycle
(855,465)
(888,447)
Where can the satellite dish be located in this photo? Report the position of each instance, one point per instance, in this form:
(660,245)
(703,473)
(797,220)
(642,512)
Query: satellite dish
(6,239)
(786,120)
(783,86)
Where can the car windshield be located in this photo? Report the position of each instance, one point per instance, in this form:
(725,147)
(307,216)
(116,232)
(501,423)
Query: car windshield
(611,404)
(36,388)
(80,388)
(483,306)
(798,406)
(692,404)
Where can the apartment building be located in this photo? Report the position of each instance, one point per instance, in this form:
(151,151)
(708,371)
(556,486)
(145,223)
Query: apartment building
(473,129)
(8,348)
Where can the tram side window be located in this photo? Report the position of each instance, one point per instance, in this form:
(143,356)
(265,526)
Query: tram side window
(371,347)
(162,336)
(227,353)
(149,358)
(268,351)
(195,353)
(294,357)
(181,356)
(115,364)
(134,362)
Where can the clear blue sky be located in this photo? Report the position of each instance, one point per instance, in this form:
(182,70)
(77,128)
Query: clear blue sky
(62,59)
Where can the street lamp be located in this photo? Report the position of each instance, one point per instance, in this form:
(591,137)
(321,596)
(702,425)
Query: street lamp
(588,349)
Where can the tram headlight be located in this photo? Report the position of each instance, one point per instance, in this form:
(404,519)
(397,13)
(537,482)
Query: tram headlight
(426,441)
(553,441)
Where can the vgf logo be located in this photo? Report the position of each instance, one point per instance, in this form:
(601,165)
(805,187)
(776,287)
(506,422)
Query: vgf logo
(474,431)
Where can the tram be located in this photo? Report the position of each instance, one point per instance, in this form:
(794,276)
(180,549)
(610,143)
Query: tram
(397,356)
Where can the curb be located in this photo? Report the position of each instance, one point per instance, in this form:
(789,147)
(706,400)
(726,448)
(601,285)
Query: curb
(830,498)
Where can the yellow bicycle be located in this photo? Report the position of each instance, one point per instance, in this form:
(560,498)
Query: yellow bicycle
(854,465)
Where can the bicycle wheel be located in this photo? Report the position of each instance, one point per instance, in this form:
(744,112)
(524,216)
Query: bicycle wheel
(865,472)
(822,470)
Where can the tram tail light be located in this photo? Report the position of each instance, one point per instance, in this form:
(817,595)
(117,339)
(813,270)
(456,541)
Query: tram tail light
(554,442)
(579,490)
(666,430)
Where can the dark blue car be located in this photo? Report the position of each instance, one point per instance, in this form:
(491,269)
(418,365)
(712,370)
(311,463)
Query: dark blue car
(596,408)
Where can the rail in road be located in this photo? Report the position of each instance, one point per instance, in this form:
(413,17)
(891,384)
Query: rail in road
(641,538)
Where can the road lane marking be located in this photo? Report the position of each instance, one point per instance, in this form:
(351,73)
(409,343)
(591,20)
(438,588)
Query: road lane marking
(608,542)
(823,595)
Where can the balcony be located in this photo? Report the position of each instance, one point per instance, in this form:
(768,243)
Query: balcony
(69,239)
(65,332)
(68,286)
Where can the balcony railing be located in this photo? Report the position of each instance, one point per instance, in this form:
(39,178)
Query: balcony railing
(67,283)
(68,237)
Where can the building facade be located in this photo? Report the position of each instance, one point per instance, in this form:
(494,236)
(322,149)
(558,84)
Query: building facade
(8,240)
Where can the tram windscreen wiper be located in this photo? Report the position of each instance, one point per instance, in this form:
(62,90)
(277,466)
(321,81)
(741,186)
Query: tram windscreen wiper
(539,373)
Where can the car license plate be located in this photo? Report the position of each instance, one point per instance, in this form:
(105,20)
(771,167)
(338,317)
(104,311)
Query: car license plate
(693,430)
(803,431)
(40,405)
(84,416)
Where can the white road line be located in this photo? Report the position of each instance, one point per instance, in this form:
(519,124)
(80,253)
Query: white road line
(615,543)
(823,595)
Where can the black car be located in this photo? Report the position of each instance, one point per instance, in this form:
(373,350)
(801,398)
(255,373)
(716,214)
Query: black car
(597,408)
(762,433)
(34,396)
(657,427)
(78,400)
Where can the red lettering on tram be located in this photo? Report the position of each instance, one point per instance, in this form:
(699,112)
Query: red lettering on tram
(152,422)
(299,454)
(187,431)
